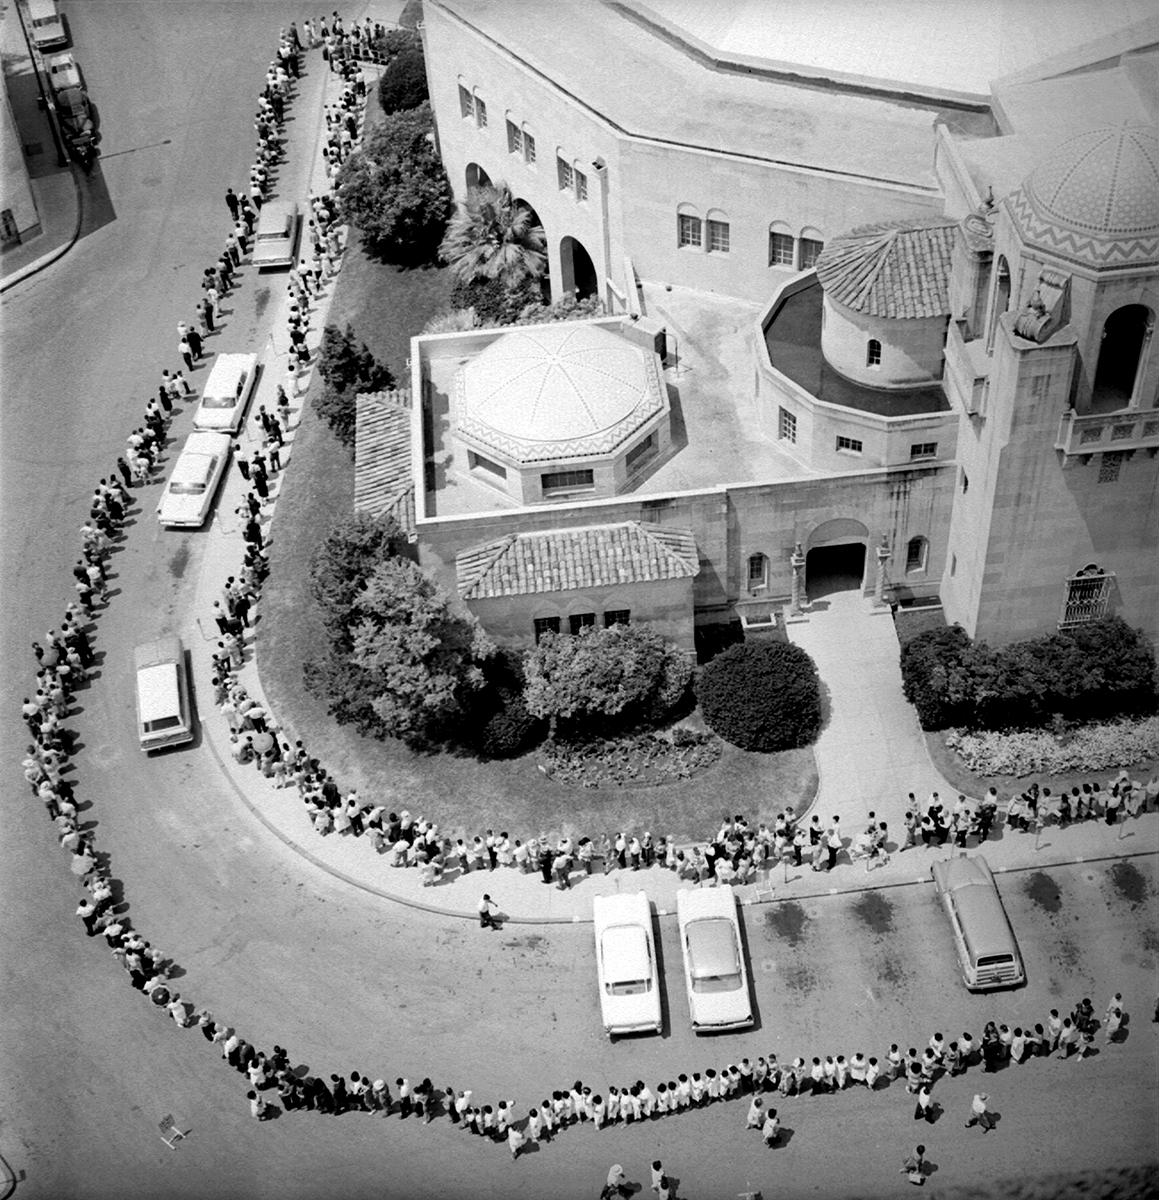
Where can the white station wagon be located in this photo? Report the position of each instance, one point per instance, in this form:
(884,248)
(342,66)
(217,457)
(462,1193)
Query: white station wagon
(188,495)
(227,392)
(626,963)
(987,949)
(714,970)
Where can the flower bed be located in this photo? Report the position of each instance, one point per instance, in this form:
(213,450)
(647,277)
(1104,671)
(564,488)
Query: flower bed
(639,759)
(1087,748)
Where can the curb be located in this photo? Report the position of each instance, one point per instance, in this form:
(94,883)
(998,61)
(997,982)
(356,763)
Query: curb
(34,268)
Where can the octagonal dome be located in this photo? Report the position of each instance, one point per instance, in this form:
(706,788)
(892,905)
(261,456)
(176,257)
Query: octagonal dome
(1095,201)
(563,391)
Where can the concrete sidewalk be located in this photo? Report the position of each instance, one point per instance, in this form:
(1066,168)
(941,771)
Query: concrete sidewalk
(870,754)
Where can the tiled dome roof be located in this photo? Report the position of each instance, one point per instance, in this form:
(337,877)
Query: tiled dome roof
(1096,199)
(898,269)
(557,391)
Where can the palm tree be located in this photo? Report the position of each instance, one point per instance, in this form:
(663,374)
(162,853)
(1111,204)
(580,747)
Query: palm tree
(493,237)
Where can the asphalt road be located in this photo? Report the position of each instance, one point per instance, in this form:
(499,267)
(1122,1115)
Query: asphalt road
(348,982)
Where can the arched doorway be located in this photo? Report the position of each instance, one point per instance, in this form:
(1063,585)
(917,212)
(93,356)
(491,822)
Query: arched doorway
(835,558)
(477,177)
(545,280)
(578,270)
(1124,336)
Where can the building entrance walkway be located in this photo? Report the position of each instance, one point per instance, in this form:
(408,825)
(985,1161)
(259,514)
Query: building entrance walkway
(871,753)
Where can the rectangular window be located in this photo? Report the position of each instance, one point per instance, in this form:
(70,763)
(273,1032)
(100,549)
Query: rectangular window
(788,426)
(915,554)
(617,616)
(479,463)
(873,353)
(545,625)
(923,450)
(578,621)
(850,444)
(480,112)
(640,454)
(581,186)
(559,481)
(466,102)
(687,230)
(528,147)
(8,226)
(810,251)
(1109,465)
(1087,596)
(718,237)
(514,138)
(563,170)
(757,565)
(780,250)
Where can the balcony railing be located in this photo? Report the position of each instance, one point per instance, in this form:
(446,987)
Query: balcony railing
(1098,432)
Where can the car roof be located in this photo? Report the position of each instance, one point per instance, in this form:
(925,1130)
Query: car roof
(275,214)
(158,691)
(625,952)
(706,902)
(712,947)
(961,872)
(227,369)
(167,648)
(194,466)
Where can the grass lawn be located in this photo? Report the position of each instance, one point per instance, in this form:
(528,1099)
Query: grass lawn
(387,305)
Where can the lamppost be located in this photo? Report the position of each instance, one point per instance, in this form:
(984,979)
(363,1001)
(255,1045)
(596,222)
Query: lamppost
(798,564)
(879,582)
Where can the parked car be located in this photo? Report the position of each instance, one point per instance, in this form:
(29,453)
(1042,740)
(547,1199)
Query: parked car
(194,480)
(75,112)
(987,949)
(626,964)
(46,26)
(164,715)
(227,392)
(278,232)
(714,968)
(63,72)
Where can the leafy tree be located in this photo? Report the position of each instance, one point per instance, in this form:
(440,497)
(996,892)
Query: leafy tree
(394,189)
(343,562)
(347,367)
(490,236)
(567,309)
(396,41)
(762,696)
(404,82)
(493,301)
(423,658)
(626,672)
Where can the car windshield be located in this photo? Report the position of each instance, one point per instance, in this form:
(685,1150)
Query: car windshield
(187,489)
(219,401)
(277,236)
(161,723)
(629,987)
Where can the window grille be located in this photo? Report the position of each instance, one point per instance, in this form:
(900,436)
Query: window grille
(1087,596)
(780,250)
(718,237)
(788,426)
(688,230)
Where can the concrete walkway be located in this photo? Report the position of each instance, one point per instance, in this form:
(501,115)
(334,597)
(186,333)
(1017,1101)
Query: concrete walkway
(870,754)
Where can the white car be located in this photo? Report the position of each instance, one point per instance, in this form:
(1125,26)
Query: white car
(63,72)
(189,493)
(227,393)
(626,964)
(164,715)
(279,230)
(714,970)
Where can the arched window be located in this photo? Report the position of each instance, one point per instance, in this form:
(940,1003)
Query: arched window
(528,146)
(782,245)
(915,554)
(809,247)
(873,353)
(689,233)
(1126,336)
(718,231)
(758,571)
(480,110)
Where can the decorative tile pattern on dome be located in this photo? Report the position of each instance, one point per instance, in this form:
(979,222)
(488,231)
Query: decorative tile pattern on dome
(383,483)
(897,269)
(561,560)
(557,392)
(1082,248)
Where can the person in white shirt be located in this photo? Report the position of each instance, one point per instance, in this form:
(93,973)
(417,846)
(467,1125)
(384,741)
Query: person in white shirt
(657,1175)
(771,1130)
(871,1074)
(756,1114)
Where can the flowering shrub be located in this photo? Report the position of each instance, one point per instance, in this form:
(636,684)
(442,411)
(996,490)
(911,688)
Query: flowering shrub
(636,760)
(1040,751)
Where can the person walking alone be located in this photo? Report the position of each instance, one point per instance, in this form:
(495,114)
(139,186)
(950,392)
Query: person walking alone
(487,913)
(979,1114)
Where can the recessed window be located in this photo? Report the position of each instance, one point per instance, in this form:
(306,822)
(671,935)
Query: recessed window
(965,483)
(558,481)
(8,227)
(528,147)
(780,249)
(480,112)
(851,445)
(581,185)
(564,171)
(788,426)
(915,554)
(617,616)
(953,564)
(578,621)
(758,571)
(479,463)
(545,625)
(466,102)
(810,252)
(717,237)
(688,230)
(923,450)
(873,353)
(640,453)
(514,138)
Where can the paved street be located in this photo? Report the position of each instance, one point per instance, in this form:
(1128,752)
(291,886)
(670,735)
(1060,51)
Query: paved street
(345,979)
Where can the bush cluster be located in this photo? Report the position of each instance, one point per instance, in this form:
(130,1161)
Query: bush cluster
(1102,669)
(762,696)
(403,85)
(347,367)
(1099,747)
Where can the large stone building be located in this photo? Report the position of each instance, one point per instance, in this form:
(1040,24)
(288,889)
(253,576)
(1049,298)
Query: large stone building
(892,325)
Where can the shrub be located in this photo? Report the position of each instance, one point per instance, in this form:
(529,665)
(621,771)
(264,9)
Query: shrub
(403,84)
(347,367)
(510,730)
(935,678)
(567,309)
(341,564)
(761,696)
(493,301)
(395,41)
(626,674)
